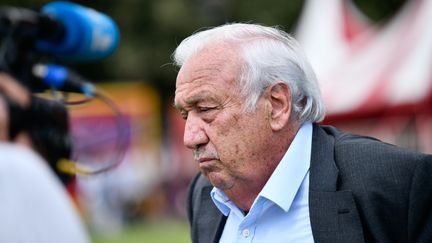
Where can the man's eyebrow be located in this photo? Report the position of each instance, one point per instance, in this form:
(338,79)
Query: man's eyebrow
(194,100)
(190,103)
(177,107)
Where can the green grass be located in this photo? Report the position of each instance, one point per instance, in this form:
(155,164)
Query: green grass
(160,231)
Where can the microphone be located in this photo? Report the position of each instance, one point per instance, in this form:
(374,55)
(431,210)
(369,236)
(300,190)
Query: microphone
(61,78)
(86,35)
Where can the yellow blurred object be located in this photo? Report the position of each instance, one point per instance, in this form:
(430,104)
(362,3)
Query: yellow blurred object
(71,167)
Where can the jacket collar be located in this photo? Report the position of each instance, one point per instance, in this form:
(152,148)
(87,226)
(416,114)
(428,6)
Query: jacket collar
(333,214)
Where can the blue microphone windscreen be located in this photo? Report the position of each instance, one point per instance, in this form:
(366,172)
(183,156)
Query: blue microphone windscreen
(89,35)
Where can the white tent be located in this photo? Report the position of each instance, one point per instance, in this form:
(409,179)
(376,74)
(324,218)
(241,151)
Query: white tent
(371,70)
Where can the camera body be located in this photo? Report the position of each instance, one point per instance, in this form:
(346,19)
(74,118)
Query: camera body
(46,122)
(31,43)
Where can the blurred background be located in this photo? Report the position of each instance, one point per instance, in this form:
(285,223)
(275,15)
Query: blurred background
(372,59)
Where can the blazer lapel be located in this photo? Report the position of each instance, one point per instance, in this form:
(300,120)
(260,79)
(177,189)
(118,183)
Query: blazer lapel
(210,220)
(333,214)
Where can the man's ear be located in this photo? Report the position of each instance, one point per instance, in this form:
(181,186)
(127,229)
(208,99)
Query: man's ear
(280,102)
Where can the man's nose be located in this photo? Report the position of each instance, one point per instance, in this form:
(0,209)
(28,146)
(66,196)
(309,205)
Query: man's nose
(194,134)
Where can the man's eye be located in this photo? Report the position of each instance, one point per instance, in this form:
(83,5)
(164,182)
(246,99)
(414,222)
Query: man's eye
(184,115)
(205,109)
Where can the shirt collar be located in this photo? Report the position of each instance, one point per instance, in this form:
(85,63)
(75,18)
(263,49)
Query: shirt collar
(288,176)
(285,181)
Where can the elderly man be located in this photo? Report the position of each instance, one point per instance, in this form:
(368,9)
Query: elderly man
(269,172)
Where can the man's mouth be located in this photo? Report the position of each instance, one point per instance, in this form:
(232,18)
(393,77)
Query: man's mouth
(203,160)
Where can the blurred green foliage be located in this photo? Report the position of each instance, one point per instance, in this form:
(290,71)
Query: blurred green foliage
(159,231)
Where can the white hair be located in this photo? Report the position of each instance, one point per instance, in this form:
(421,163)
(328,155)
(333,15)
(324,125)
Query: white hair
(270,55)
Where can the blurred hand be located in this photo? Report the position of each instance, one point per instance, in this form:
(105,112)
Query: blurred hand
(14,91)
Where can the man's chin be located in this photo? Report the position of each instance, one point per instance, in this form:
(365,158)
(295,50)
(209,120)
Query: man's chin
(219,181)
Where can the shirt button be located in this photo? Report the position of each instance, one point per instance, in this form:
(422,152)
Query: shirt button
(246,233)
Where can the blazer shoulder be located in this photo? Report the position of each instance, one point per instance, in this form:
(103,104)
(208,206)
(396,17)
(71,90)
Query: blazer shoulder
(365,146)
(367,159)
(369,162)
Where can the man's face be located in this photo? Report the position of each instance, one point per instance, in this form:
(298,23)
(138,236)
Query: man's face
(230,145)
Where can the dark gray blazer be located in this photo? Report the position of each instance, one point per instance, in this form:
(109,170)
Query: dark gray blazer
(361,190)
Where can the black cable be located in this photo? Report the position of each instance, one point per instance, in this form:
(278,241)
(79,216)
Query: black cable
(121,144)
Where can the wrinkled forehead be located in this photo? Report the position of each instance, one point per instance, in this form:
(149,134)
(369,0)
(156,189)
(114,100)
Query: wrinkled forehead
(214,70)
(220,60)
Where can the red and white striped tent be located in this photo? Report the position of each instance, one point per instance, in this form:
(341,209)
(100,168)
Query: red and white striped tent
(373,72)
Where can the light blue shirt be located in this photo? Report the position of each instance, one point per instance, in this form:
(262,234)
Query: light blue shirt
(280,213)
